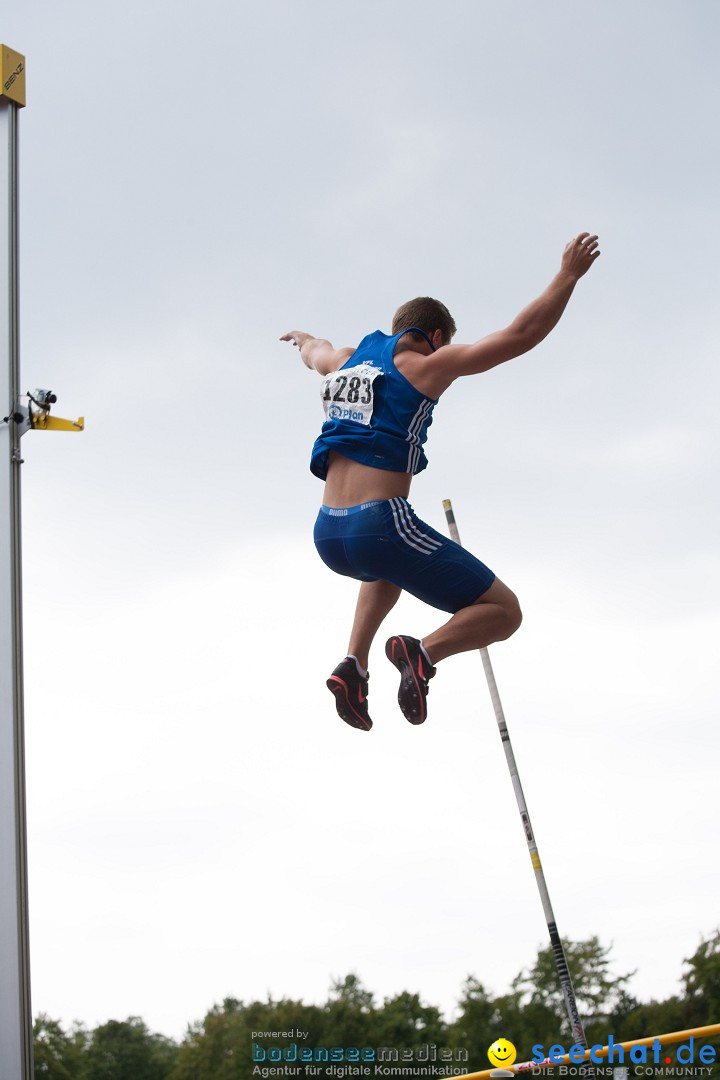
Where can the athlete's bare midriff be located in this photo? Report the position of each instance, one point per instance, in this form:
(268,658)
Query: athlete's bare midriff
(350,483)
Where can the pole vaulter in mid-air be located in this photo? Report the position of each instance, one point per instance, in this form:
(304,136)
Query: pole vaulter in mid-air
(378,400)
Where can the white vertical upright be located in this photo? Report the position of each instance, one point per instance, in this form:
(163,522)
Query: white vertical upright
(16,1061)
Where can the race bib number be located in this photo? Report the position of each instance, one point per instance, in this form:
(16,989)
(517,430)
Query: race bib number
(348,394)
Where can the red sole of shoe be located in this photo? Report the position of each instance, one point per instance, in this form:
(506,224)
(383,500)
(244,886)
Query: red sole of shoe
(402,663)
(344,706)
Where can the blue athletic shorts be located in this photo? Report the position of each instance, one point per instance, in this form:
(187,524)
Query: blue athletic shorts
(384,540)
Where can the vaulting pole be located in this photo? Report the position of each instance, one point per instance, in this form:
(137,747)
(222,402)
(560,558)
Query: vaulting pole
(578,1032)
(16,1057)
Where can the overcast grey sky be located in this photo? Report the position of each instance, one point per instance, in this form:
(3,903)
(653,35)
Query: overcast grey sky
(196,180)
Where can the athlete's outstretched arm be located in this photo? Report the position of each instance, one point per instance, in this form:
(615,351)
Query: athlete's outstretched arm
(317,353)
(525,331)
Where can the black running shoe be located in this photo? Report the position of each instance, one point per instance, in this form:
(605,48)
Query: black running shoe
(415,673)
(350,691)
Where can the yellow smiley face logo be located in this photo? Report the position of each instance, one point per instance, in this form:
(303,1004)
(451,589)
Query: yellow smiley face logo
(502,1053)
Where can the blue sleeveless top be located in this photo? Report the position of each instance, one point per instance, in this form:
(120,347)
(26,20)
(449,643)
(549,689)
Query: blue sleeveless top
(373,414)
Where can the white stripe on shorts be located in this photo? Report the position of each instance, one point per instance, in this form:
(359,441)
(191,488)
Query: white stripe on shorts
(409,532)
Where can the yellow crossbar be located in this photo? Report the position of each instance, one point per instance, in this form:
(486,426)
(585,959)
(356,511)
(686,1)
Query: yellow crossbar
(42,421)
(671,1037)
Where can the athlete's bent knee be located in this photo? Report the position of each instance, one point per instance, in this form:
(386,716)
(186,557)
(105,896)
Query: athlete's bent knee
(508,615)
(514,617)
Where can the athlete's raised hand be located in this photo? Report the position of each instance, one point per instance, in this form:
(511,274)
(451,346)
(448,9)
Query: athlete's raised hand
(580,254)
(317,353)
(298,337)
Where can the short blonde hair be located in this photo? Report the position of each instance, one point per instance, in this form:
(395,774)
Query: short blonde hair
(427,314)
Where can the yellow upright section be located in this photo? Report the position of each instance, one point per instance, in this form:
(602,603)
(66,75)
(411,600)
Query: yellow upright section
(12,75)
